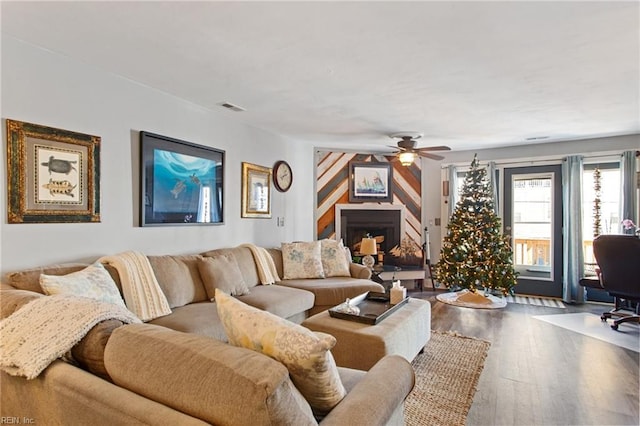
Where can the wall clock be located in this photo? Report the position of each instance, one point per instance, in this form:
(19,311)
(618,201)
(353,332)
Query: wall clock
(282,176)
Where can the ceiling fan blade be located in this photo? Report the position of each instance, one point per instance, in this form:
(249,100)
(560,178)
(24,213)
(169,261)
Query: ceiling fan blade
(434,148)
(431,156)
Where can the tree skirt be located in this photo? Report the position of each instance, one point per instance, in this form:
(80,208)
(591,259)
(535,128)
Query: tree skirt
(470,299)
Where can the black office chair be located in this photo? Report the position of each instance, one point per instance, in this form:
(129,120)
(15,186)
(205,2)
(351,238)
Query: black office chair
(618,258)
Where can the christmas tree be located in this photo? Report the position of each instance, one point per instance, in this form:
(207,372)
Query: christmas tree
(475,255)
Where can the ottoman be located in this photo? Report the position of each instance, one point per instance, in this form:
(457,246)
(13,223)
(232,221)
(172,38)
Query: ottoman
(360,346)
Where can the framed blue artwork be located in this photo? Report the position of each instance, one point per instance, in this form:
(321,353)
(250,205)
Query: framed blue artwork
(181,183)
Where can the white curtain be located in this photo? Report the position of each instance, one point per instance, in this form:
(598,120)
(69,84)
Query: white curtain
(452,172)
(628,187)
(573,263)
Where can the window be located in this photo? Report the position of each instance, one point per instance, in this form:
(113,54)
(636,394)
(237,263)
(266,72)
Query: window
(459,183)
(532,223)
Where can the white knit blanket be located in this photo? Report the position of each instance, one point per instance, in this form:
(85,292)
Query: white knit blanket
(267,271)
(142,293)
(48,327)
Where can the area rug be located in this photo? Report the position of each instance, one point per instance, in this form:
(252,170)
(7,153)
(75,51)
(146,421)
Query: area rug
(627,336)
(536,301)
(447,374)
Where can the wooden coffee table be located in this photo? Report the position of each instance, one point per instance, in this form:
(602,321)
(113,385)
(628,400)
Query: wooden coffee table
(361,346)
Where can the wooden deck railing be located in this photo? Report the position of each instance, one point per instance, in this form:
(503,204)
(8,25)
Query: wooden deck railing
(533,251)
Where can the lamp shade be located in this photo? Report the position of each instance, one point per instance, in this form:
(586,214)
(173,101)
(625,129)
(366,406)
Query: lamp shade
(407,158)
(368,246)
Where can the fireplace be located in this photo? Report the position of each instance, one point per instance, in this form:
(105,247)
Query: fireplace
(385,223)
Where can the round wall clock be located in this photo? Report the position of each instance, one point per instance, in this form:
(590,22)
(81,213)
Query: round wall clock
(282,176)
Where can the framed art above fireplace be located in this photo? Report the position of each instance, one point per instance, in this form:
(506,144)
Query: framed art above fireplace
(370,182)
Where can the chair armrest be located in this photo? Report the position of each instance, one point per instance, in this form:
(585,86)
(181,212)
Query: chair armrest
(359,271)
(377,396)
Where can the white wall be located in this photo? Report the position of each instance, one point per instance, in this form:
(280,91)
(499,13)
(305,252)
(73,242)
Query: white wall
(45,88)
(431,170)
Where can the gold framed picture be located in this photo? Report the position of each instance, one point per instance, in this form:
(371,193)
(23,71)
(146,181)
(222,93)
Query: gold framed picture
(256,191)
(53,175)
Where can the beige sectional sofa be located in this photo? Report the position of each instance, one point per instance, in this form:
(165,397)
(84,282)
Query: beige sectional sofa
(178,368)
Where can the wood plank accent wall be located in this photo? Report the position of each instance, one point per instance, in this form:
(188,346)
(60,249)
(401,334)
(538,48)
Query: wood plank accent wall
(332,171)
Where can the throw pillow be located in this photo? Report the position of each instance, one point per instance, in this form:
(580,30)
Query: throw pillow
(306,354)
(302,260)
(222,272)
(93,282)
(88,353)
(334,260)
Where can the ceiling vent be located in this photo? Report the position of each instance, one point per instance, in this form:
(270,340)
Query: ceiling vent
(232,107)
(537,138)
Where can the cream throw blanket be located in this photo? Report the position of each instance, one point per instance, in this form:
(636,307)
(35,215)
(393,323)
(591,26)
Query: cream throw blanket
(142,293)
(48,327)
(267,271)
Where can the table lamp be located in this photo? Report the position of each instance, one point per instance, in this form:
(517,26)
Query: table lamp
(368,247)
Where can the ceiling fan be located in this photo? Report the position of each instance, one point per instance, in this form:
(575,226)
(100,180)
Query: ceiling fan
(406,149)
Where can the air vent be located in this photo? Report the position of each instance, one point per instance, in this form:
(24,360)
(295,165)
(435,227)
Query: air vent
(232,107)
(536,138)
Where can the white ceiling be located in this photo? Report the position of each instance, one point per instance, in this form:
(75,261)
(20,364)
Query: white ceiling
(466,74)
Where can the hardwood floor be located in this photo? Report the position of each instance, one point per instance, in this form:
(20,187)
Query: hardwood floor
(540,374)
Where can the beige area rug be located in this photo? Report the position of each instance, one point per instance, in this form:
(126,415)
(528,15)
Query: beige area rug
(447,373)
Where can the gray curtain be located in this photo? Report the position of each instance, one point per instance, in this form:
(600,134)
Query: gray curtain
(628,187)
(452,173)
(573,264)
(491,171)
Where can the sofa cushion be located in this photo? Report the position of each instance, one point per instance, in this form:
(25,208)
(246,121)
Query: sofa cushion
(282,301)
(222,272)
(93,282)
(302,260)
(276,255)
(334,259)
(13,299)
(89,351)
(179,278)
(306,354)
(29,279)
(213,381)
(197,318)
(245,260)
(333,291)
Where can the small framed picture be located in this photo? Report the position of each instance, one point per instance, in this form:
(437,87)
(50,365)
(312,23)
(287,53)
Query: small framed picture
(53,175)
(370,182)
(256,191)
(182,183)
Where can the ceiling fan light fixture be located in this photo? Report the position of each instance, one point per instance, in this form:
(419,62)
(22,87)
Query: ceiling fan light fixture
(407,158)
